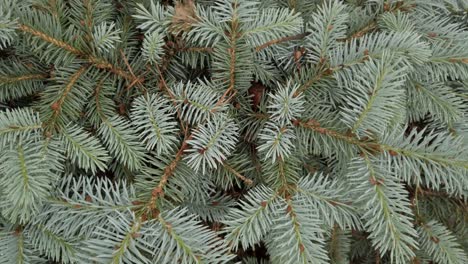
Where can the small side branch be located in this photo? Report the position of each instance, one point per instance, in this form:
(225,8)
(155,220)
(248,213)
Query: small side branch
(281,40)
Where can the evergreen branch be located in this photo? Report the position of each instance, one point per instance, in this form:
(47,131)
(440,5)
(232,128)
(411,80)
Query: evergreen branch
(272,23)
(297,233)
(281,40)
(101,105)
(14,247)
(20,78)
(215,209)
(119,241)
(376,147)
(328,24)
(296,236)
(197,103)
(152,47)
(436,99)
(105,37)
(83,204)
(47,38)
(315,126)
(97,62)
(368,28)
(398,6)
(327,72)
(182,237)
(180,242)
(328,197)
(450,151)
(57,106)
(284,105)
(439,242)
(278,142)
(122,142)
(253,220)
(121,248)
(152,116)
(74,78)
(241,168)
(52,245)
(283,175)
(232,60)
(382,96)
(84,149)
(211,143)
(237,174)
(8,24)
(311,81)
(339,246)
(102,64)
(25,180)
(166,88)
(386,212)
(389,75)
(135,79)
(154,19)
(158,191)
(17,125)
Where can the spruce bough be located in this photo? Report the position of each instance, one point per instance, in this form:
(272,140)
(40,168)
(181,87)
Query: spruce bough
(233,131)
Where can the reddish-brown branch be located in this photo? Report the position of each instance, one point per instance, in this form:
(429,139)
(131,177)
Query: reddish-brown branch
(315,126)
(12,79)
(57,105)
(281,40)
(237,174)
(98,63)
(50,39)
(158,191)
(373,24)
(197,49)
(164,85)
(232,65)
(361,33)
(136,80)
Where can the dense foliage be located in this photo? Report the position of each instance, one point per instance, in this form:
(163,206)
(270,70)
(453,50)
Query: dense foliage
(234,131)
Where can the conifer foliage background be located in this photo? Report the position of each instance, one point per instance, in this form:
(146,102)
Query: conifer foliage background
(233,131)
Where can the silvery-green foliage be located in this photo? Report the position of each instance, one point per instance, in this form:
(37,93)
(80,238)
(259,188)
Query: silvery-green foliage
(230,131)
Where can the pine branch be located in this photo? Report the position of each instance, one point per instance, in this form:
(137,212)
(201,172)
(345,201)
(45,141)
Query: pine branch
(20,78)
(122,143)
(300,229)
(84,149)
(17,125)
(52,245)
(97,62)
(26,180)
(158,191)
(440,243)
(47,38)
(329,198)
(57,106)
(281,40)
(248,225)
(385,208)
(237,174)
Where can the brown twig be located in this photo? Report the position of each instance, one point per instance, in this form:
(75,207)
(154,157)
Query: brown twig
(237,174)
(158,191)
(136,80)
(98,63)
(281,40)
(12,79)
